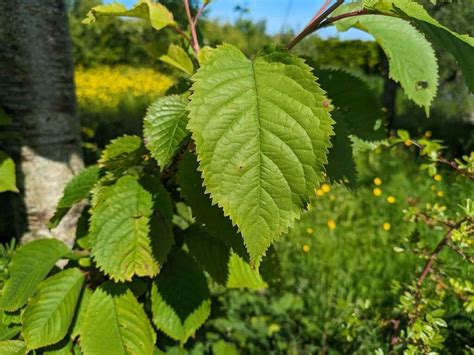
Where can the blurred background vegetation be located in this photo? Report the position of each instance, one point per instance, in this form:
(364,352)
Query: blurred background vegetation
(343,265)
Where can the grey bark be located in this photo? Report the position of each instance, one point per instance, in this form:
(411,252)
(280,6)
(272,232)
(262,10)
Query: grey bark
(37,91)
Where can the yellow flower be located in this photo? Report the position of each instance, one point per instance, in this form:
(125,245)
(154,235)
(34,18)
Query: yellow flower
(331,224)
(309,230)
(438,177)
(391,199)
(378,181)
(377,192)
(408,143)
(319,192)
(326,188)
(306,248)
(387,226)
(440,194)
(428,134)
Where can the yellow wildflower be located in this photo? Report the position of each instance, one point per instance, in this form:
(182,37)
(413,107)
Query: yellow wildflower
(331,224)
(309,230)
(437,177)
(378,181)
(387,226)
(440,194)
(428,134)
(319,192)
(391,199)
(377,192)
(306,248)
(408,143)
(326,188)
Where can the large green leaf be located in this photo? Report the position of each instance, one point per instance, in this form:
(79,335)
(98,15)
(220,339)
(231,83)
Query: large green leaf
(180,297)
(115,323)
(165,127)
(12,347)
(49,313)
(460,46)
(119,231)
(178,58)
(80,313)
(29,266)
(75,191)
(412,60)
(261,131)
(157,14)
(357,112)
(7,173)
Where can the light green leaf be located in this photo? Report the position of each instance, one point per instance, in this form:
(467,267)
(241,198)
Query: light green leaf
(75,191)
(157,14)
(412,60)
(122,154)
(460,46)
(165,127)
(119,230)
(115,323)
(12,347)
(49,313)
(178,58)
(7,173)
(29,266)
(180,297)
(261,133)
(80,313)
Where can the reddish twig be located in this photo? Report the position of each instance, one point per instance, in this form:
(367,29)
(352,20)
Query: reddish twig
(314,23)
(192,28)
(333,19)
(200,12)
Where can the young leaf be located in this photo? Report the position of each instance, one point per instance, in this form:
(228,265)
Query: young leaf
(115,323)
(49,313)
(12,347)
(29,266)
(122,154)
(178,58)
(180,297)
(75,191)
(261,133)
(165,127)
(7,173)
(120,243)
(412,60)
(157,14)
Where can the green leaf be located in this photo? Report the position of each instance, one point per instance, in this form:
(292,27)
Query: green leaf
(29,266)
(8,330)
(80,313)
(64,347)
(157,14)
(7,173)
(178,58)
(12,347)
(122,154)
(75,191)
(412,60)
(120,243)
(165,127)
(5,120)
(460,46)
(115,323)
(261,134)
(49,313)
(180,297)
(357,112)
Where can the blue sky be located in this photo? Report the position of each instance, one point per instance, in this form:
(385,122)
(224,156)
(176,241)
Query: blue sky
(278,14)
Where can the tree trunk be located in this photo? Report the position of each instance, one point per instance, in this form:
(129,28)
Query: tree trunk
(37,91)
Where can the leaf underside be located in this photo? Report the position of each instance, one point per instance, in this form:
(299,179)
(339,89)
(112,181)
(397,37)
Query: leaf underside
(261,131)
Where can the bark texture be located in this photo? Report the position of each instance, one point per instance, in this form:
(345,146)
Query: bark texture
(37,91)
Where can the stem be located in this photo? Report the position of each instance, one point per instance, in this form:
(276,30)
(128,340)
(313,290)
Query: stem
(314,23)
(461,253)
(182,34)
(331,20)
(199,13)
(192,27)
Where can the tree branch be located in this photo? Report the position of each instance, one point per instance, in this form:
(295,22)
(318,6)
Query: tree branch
(200,12)
(192,28)
(314,23)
